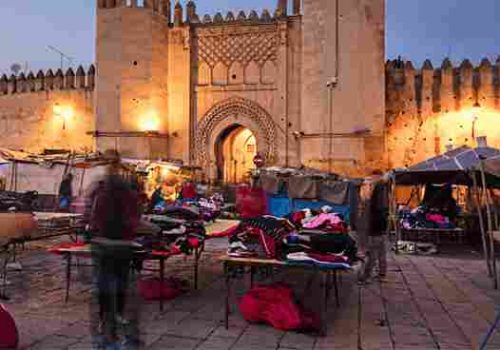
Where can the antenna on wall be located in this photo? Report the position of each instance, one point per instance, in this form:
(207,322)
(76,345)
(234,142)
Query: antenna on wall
(62,56)
(15,68)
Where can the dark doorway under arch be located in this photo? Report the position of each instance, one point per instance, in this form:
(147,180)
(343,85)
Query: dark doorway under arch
(235,148)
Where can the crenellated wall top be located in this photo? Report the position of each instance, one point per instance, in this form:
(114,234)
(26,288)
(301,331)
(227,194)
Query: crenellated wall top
(46,81)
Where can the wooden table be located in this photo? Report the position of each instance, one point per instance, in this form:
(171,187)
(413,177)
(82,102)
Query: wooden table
(435,233)
(161,257)
(330,278)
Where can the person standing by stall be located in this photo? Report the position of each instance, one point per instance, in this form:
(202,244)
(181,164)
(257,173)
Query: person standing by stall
(374,214)
(66,192)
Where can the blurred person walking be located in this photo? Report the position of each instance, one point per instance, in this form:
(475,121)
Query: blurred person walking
(113,216)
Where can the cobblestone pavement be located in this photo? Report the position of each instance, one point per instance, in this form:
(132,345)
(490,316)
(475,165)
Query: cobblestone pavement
(439,302)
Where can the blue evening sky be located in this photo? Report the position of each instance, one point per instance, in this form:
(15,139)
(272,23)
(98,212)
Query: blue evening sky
(416,29)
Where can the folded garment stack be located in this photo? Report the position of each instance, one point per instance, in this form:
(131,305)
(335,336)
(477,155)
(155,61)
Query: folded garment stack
(185,234)
(322,240)
(424,218)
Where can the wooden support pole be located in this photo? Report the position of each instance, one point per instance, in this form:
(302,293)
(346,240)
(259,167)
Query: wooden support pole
(486,196)
(477,203)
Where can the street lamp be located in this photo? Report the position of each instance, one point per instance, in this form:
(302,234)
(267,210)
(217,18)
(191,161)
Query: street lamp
(63,112)
(475,110)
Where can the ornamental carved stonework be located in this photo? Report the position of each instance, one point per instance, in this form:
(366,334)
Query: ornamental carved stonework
(240,46)
(242,109)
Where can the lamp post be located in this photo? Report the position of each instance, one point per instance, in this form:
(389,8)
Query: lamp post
(63,112)
(475,117)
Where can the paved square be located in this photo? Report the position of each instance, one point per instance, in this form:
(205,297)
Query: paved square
(438,302)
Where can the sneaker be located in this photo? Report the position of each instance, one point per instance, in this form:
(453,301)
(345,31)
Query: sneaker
(14,266)
(4,283)
(113,346)
(380,278)
(121,321)
(98,342)
(131,344)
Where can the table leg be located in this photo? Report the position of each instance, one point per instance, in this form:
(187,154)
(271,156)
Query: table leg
(336,286)
(68,275)
(326,281)
(228,294)
(197,256)
(324,309)
(162,279)
(3,294)
(252,275)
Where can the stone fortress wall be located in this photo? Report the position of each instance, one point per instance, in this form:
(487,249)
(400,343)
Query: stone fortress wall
(429,109)
(47,110)
(192,77)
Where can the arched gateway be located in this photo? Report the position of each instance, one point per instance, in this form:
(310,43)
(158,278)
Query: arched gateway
(220,122)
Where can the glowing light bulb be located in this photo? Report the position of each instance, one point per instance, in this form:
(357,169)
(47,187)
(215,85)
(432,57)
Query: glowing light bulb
(150,122)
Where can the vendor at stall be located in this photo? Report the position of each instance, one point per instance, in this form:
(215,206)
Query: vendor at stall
(65,192)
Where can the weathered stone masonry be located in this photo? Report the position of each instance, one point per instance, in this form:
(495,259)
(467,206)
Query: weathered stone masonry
(162,67)
(431,109)
(27,103)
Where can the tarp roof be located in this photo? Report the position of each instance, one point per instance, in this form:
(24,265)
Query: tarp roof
(78,160)
(462,158)
(492,166)
(451,167)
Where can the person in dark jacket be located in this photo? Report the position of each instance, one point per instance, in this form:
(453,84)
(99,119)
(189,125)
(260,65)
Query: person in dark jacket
(375,214)
(65,192)
(113,220)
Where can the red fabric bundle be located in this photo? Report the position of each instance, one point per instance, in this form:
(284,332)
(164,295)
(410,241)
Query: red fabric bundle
(67,245)
(268,243)
(152,289)
(188,191)
(9,337)
(275,305)
(227,233)
(194,242)
(251,202)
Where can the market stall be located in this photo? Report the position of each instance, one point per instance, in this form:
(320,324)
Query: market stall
(439,182)
(288,190)
(159,238)
(318,243)
(486,178)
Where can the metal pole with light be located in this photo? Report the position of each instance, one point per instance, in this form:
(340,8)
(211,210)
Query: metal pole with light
(475,117)
(65,113)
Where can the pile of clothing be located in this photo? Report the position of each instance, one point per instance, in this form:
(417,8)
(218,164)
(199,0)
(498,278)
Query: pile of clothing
(283,239)
(322,220)
(24,202)
(424,217)
(207,209)
(276,305)
(264,236)
(179,228)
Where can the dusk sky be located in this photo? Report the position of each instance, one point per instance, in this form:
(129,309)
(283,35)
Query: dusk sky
(416,29)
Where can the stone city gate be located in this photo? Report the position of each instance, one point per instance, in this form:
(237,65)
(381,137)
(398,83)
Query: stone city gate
(228,114)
